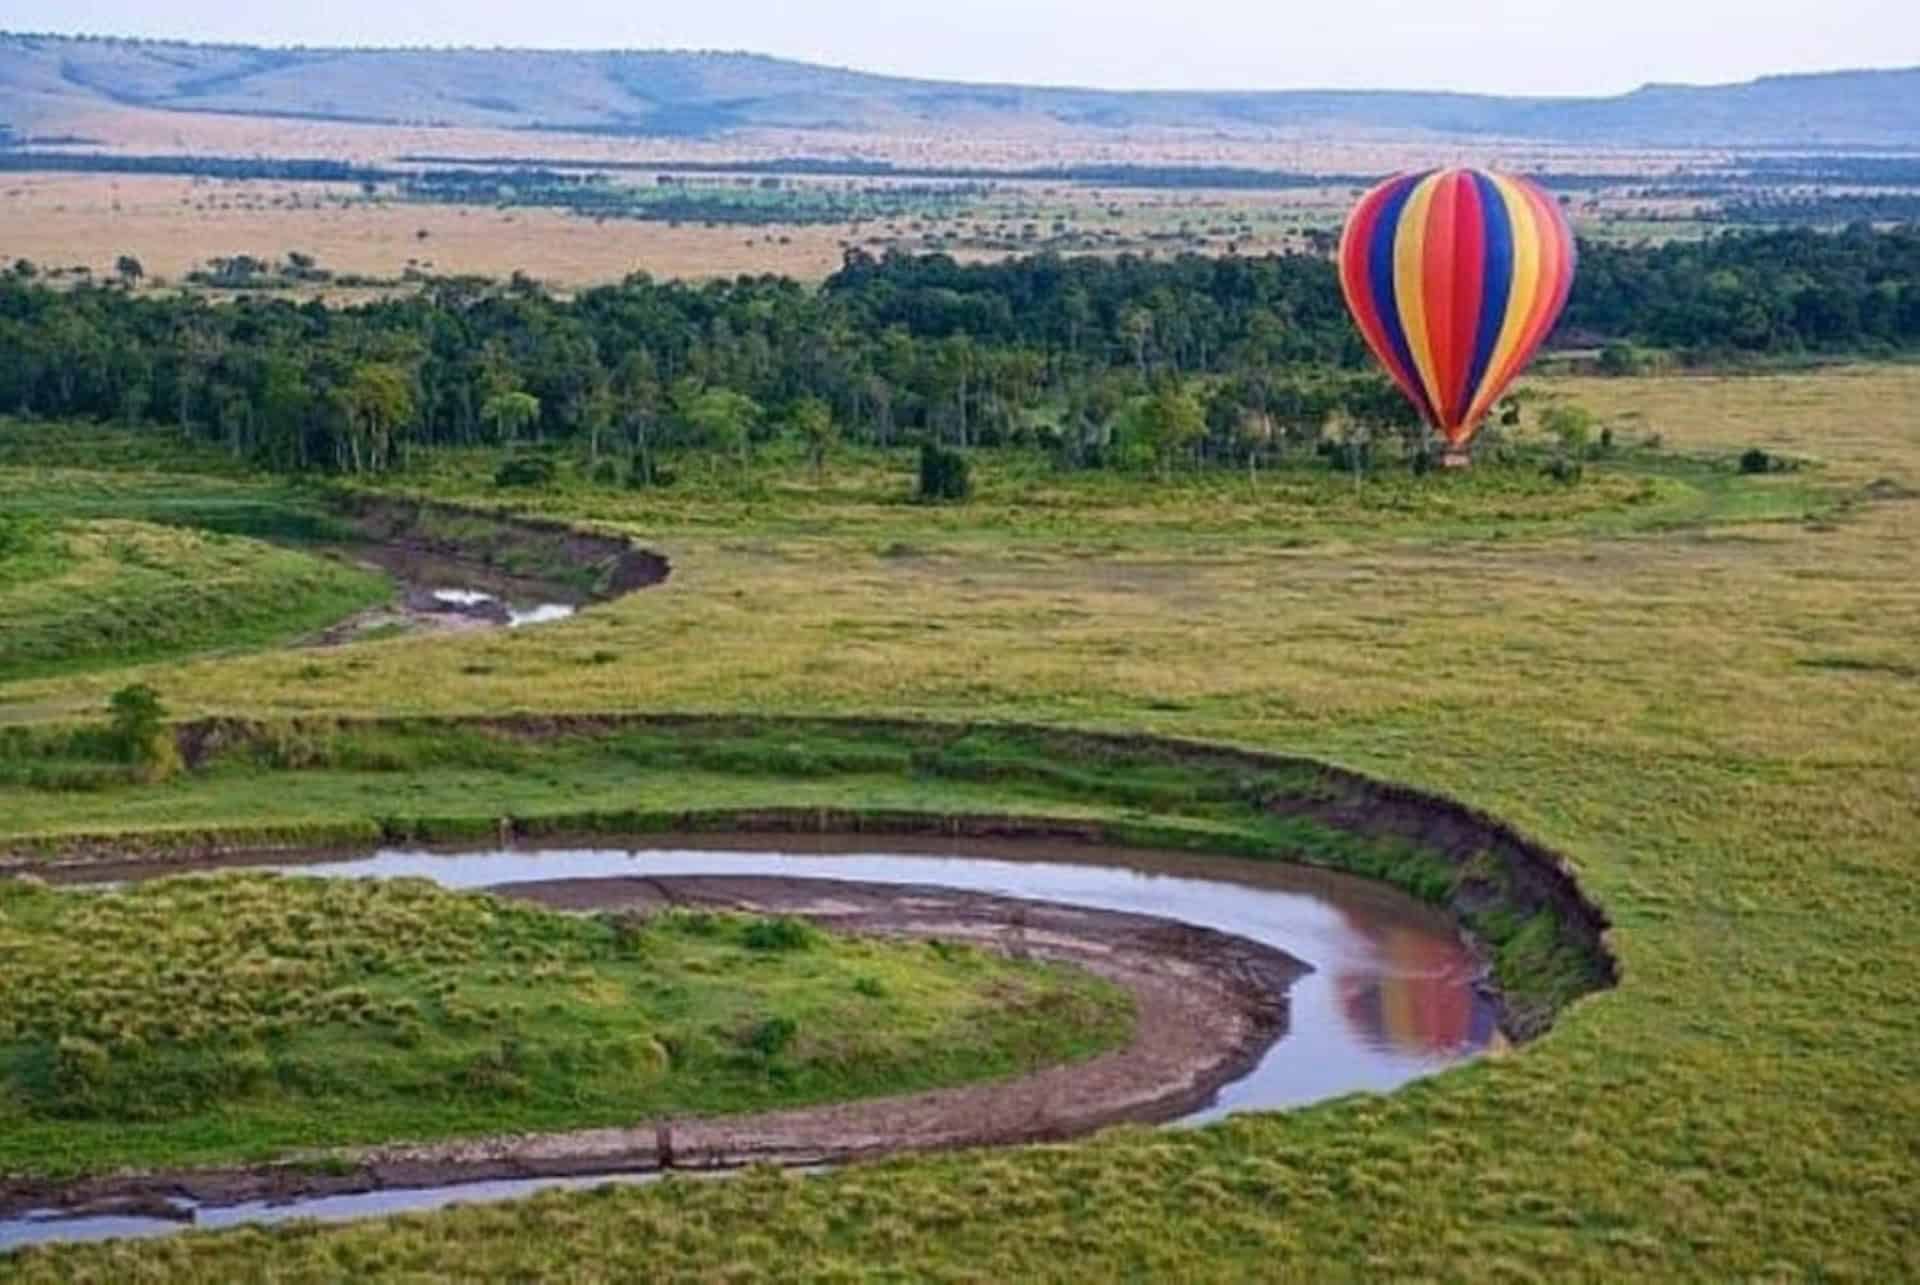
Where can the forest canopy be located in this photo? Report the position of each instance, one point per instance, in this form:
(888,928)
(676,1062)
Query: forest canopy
(895,349)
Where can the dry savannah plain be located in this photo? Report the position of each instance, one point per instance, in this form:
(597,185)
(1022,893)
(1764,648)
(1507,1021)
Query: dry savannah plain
(1009,497)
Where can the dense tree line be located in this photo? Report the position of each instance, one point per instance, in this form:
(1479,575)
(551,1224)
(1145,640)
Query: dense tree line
(1098,359)
(287,170)
(1824,209)
(1116,174)
(742,199)
(1782,291)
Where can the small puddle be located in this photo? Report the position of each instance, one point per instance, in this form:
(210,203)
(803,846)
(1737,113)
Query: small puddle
(1393,994)
(494,610)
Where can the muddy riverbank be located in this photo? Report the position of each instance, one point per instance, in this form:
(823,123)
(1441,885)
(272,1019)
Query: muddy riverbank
(1504,887)
(1208,1005)
(458,569)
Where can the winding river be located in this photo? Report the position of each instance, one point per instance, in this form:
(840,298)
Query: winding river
(1394,992)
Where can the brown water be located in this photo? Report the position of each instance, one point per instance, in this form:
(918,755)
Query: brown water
(1393,993)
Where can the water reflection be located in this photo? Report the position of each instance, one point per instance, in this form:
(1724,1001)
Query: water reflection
(1392,995)
(1416,997)
(489,606)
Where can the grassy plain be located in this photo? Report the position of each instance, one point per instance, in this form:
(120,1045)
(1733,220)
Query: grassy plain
(174,225)
(222,1019)
(149,131)
(99,594)
(1717,717)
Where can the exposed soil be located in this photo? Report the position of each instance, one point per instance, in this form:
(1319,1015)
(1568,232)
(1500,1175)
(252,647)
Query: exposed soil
(533,549)
(427,546)
(1207,1005)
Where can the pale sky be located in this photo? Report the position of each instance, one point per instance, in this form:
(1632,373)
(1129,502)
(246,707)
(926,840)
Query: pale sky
(1491,46)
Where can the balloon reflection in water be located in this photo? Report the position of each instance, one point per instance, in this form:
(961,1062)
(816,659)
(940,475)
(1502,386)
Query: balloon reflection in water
(1414,997)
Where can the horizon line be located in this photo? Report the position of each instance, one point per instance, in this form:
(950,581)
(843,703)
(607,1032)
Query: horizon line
(609,51)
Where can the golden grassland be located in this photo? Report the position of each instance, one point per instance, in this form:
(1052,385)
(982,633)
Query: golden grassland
(1716,717)
(166,223)
(144,131)
(174,225)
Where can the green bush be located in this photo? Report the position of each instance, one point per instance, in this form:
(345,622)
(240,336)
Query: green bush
(945,475)
(1564,469)
(19,534)
(524,470)
(1622,359)
(782,933)
(772,1036)
(1755,460)
(140,734)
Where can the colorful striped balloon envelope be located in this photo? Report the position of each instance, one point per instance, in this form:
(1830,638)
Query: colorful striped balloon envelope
(1455,278)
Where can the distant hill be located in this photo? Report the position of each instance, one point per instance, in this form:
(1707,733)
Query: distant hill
(45,80)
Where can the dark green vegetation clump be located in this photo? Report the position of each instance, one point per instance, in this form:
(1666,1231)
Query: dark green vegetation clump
(527,471)
(206,1019)
(945,475)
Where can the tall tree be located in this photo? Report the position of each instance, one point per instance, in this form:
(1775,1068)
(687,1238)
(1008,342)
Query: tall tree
(509,414)
(378,403)
(727,419)
(812,419)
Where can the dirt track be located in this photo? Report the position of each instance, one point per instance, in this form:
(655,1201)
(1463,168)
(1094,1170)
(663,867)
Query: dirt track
(1207,1005)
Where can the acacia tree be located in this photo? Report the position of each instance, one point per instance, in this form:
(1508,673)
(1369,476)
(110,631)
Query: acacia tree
(509,413)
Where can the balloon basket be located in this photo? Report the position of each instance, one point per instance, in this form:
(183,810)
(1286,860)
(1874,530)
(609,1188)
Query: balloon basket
(1456,459)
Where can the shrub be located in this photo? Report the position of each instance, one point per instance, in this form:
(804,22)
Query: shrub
(1564,469)
(945,475)
(782,933)
(139,732)
(1571,424)
(1755,460)
(524,470)
(1622,359)
(606,473)
(641,474)
(772,1036)
(19,534)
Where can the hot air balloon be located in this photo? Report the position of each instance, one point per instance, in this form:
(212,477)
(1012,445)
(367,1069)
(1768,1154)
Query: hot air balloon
(1455,277)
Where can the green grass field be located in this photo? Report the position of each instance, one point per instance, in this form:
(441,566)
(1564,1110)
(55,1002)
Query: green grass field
(87,595)
(1716,715)
(233,1018)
